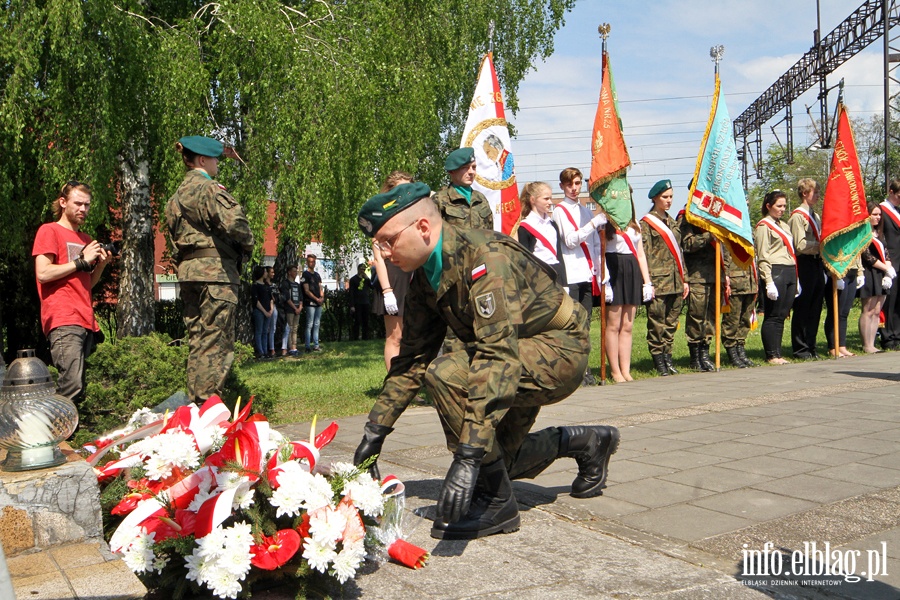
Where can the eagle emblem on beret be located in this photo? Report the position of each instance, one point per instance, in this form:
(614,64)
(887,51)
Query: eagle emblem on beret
(365,224)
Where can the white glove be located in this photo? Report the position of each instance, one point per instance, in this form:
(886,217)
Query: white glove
(887,282)
(771,291)
(825,275)
(799,290)
(648,292)
(599,220)
(390,303)
(860,281)
(891,272)
(608,292)
(841,284)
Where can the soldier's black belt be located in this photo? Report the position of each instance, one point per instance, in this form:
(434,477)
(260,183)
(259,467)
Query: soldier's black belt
(563,314)
(200,253)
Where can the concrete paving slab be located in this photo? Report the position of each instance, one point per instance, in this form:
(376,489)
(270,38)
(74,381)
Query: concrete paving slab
(773,467)
(815,489)
(715,478)
(685,522)
(654,493)
(753,504)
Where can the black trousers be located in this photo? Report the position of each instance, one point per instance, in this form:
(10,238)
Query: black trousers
(776,311)
(890,333)
(582,293)
(808,305)
(845,303)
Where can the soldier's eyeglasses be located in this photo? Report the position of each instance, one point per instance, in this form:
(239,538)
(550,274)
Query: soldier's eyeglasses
(389,243)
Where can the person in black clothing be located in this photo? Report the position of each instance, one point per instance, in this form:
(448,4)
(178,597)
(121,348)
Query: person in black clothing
(360,302)
(261,295)
(291,296)
(313,299)
(890,222)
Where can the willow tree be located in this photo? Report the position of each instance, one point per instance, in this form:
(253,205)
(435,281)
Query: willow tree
(321,98)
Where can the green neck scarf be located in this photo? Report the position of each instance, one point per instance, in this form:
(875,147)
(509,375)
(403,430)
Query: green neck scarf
(435,264)
(465,192)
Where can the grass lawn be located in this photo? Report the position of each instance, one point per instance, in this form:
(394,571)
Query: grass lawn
(345,378)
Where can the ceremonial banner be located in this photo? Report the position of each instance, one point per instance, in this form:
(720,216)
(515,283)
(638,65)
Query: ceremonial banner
(487,132)
(846,231)
(609,156)
(717,202)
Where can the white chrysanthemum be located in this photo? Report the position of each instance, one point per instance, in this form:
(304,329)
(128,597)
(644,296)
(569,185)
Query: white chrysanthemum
(343,469)
(318,555)
(196,566)
(299,490)
(241,534)
(199,499)
(159,563)
(327,526)
(229,479)
(236,560)
(211,546)
(347,561)
(138,554)
(243,498)
(166,451)
(224,584)
(365,493)
(271,443)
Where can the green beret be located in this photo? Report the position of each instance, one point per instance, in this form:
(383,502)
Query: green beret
(203,146)
(659,187)
(380,208)
(459,158)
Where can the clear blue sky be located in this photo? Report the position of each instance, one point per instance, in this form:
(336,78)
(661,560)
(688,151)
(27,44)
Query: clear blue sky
(659,52)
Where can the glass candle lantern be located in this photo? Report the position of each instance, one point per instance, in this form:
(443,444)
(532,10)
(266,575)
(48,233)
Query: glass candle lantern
(34,419)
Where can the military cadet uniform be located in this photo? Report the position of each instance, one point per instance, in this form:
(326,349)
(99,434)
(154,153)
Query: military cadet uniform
(742,301)
(455,207)
(528,346)
(700,268)
(210,234)
(667,276)
(805,227)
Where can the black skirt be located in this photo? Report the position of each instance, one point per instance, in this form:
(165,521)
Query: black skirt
(873,286)
(625,278)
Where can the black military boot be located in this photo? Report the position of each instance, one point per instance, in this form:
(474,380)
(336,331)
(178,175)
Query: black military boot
(706,363)
(734,356)
(670,364)
(744,357)
(591,447)
(493,509)
(695,357)
(659,361)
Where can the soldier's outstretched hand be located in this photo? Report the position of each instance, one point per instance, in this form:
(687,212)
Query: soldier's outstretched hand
(459,484)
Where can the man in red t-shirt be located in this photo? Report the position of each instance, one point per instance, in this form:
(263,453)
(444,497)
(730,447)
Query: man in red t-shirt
(67,264)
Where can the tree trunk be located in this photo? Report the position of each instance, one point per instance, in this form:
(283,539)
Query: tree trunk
(135,310)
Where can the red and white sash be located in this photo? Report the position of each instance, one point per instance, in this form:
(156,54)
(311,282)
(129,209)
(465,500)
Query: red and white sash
(888,209)
(659,226)
(595,288)
(809,219)
(879,246)
(627,239)
(784,237)
(539,237)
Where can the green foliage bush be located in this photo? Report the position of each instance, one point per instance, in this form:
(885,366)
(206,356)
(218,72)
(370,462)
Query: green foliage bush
(141,372)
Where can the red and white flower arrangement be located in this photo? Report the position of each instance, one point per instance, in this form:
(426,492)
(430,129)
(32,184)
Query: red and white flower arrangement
(220,500)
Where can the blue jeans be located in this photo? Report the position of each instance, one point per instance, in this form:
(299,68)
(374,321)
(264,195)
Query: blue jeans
(260,331)
(313,317)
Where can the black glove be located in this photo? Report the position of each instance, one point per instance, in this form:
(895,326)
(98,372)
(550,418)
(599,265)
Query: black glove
(373,439)
(459,484)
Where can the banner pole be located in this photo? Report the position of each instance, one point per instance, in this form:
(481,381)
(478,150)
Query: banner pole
(717,246)
(834,299)
(602,260)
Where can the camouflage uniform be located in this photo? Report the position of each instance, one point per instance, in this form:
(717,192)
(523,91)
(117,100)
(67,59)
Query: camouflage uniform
(700,270)
(744,287)
(665,308)
(520,355)
(210,233)
(457,211)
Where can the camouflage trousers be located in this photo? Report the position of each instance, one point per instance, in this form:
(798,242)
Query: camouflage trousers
(736,323)
(662,322)
(700,321)
(553,366)
(209,313)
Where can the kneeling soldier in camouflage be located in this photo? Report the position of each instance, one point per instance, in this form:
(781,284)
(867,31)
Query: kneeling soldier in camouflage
(528,347)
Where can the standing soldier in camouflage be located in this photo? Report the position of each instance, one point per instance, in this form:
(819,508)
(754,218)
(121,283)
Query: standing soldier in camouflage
(210,234)
(741,292)
(529,345)
(458,202)
(662,246)
(699,249)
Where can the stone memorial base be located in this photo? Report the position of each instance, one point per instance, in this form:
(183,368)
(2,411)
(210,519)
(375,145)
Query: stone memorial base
(51,529)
